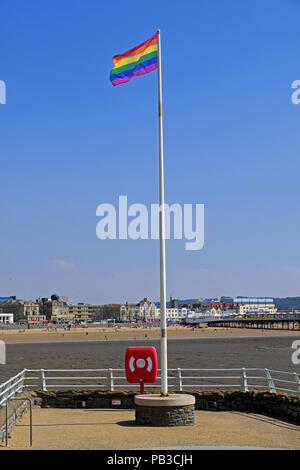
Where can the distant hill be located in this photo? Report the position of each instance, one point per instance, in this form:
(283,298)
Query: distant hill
(287,302)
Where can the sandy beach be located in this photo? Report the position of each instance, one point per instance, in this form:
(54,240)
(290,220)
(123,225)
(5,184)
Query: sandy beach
(135,334)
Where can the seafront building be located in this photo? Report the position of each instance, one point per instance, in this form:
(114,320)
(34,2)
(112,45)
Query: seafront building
(23,311)
(248,305)
(257,307)
(107,312)
(6,318)
(58,309)
(55,309)
(176,313)
(227,306)
(144,310)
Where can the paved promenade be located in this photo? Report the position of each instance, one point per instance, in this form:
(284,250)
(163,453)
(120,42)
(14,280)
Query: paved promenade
(59,429)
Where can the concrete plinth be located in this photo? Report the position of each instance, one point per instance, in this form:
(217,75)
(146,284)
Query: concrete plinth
(157,410)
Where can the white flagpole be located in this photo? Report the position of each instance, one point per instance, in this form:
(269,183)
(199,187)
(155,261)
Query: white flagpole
(163,322)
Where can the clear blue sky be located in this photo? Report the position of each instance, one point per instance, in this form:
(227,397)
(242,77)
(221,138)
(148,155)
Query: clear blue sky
(70,141)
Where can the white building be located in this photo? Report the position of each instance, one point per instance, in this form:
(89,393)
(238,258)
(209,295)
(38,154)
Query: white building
(257,308)
(144,310)
(176,313)
(255,305)
(6,318)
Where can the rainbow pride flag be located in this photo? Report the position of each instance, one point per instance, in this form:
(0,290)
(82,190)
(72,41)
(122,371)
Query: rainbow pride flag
(139,60)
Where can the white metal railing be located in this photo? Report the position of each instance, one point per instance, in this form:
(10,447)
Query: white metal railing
(179,379)
(12,386)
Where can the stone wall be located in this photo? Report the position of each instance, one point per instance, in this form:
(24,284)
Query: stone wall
(278,404)
(165,416)
(86,399)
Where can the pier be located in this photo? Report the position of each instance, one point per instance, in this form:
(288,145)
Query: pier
(292,324)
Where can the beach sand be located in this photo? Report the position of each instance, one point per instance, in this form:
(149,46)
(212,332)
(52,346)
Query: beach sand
(136,334)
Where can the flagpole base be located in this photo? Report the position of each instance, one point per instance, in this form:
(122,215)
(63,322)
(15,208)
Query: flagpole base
(168,411)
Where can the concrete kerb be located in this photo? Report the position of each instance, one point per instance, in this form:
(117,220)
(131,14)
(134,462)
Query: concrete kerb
(170,400)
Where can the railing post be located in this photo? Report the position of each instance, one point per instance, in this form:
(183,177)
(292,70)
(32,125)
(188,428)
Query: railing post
(30,435)
(297,381)
(271,385)
(244,380)
(6,423)
(44,380)
(23,378)
(180,379)
(111,380)
(6,392)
